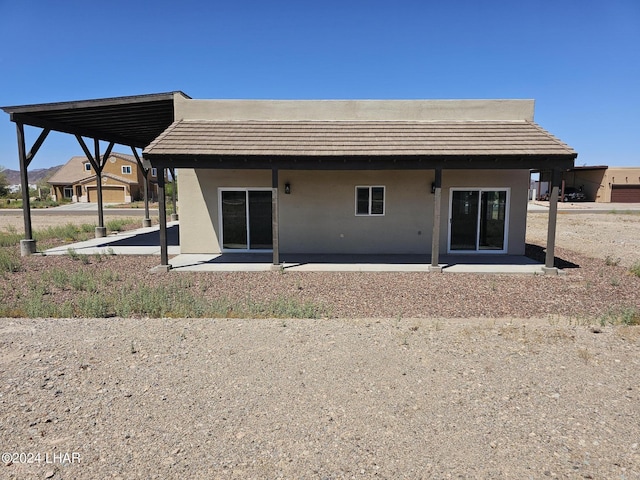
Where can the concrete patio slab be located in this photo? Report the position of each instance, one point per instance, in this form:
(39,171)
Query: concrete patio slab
(146,241)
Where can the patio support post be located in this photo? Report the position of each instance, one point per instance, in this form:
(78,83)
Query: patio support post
(146,222)
(435,238)
(551,228)
(274,218)
(162,210)
(174,215)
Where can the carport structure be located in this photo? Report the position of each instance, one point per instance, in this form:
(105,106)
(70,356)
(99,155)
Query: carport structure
(133,121)
(149,122)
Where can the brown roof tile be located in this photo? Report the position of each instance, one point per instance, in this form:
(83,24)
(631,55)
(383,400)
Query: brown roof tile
(356,138)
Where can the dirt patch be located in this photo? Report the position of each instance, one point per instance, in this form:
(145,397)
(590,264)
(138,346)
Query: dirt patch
(596,235)
(410,398)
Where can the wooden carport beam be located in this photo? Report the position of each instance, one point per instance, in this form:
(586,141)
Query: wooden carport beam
(28,245)
(97,162)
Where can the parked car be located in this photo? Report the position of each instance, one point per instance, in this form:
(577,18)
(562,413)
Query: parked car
(572,194)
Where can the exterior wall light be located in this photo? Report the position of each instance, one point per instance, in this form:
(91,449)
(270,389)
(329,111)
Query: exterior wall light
(433,187)
(287,188)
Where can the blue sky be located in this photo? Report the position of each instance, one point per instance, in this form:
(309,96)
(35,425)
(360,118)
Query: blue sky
(579,59)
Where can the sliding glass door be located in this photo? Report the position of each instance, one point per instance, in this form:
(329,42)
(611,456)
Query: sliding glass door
(245,218)
(478,220)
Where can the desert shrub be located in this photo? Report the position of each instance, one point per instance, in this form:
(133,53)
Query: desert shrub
(635,269)
(93,306)
(119,224)
(9,260)
(621,316)
(10,237)
(611,262)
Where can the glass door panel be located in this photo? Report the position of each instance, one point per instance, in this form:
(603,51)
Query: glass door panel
(492,220)
(260,227)
(234,219)
(464,220)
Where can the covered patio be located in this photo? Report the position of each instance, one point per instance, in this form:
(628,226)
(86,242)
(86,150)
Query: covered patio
(170,142)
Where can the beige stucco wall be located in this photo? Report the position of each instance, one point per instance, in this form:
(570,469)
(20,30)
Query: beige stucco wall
(617,176)
(319,214)
(426,110)
(516,180)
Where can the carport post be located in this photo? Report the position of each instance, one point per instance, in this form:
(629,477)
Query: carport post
(435,239)
(551,228)
(101,231)
(28,245)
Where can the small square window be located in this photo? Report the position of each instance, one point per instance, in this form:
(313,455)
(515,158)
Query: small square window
(87,167)
(370,200)
(126,169)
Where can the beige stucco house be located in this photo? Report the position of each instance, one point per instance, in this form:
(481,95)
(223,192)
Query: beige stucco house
(349,177)
(122,180)
(332,176)
(606,184)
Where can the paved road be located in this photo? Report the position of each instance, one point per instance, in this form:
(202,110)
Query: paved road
(128,212)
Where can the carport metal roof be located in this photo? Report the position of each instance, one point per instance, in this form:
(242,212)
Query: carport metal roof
(133,121)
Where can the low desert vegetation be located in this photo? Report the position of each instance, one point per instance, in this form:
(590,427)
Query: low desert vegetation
(79,290)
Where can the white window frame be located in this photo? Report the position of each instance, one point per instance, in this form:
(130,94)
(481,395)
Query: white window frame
(384,201)
(154,172)
(221,236)
(65,190)
(126,169)
(87,167)
(507,208)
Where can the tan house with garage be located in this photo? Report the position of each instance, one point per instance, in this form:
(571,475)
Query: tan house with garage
(606,184)
(122,180)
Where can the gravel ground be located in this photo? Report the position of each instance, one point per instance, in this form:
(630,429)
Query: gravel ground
(411,398)
(410,376)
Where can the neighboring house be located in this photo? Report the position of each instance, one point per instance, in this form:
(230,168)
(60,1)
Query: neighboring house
(355,177)
(605,184)
(122,180)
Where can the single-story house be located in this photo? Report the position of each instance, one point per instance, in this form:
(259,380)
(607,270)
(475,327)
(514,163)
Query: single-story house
(353,177)
(122,180)
(326,176)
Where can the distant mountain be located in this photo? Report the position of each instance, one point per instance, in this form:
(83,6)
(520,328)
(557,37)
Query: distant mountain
(35,176)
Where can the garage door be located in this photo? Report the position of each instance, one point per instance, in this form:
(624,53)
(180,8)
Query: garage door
(109,194)
(625,193)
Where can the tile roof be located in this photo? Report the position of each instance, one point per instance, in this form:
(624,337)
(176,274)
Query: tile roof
(356,138)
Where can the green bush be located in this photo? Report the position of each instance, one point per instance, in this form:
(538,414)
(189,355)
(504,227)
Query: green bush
(635,269)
